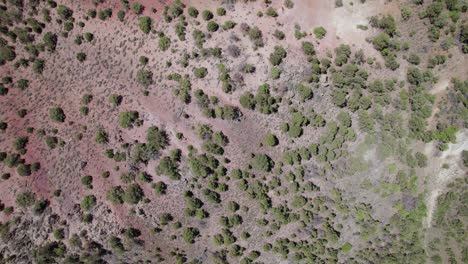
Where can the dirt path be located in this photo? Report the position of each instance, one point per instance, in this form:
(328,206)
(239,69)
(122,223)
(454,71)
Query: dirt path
(443,176)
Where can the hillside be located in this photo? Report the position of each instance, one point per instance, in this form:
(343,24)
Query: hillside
(268,131)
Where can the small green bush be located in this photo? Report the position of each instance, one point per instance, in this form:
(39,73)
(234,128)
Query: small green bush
(220,11)
(271,140)
(320,32)
(190,234)
(115,99)
(200,72)
(101,137)
(23,170)
(25,199)
(128,119)
(271,12)
(145,24)
(145,77)
(133,194)
(262,162)
(277,56)
(137,8)
(212,26)
(193,12)
(207,15)
(87,181)
(57,114)
(81,56)
(164,42)
(88,202)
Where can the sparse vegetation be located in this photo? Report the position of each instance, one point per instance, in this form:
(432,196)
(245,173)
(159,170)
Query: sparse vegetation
(249,134)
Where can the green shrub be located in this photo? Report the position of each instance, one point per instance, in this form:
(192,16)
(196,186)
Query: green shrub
(193,12)
(212,26)
(87,181)
(249,68)
(157,139)
(92,13)
(271,140)
(295,131)
(133,194)
(247,100)
(305,92)
(84,110)
(342,54)
(387,23)
(200,72)
(405,13)
(102,137)
(160,188)
(145,24)
(275,73)
(50,41)
(3,90)
(213,148)
(68,26)
(127,177)
(59,233)
(88,202)
(414,76)
(271,12)
(115,195)
(115,99)
(145,77)
(22,84)
(169,167)
(256,36)
(105,14)
(279,34)
(64,12)
(51,142)
(25,199)
(7,53)
(421,159)
(414,59)
(190,234)
(88,36)
(277,56)
(207,15)
(81,56)
(23,170)
(464,37)
(22,113)
(40,206)
(137,8)
(20,144)
(262,162)
(164,42)
(38,66)
(220,11)
(229,24)
(346,247)
(116,244)
(320,32)
(212,196)
(128,119)
(86,99)
(57,114)
(121,15)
